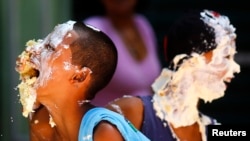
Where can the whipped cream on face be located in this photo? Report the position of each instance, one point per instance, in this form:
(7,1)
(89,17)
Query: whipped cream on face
(46,47)
(34,58)
(176,99)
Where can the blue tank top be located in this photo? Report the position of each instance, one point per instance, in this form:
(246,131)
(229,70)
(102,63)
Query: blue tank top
(96,115)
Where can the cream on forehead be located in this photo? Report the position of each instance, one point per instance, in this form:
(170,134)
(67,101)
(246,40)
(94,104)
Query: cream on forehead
(54,38)
(59,32)
(220,23)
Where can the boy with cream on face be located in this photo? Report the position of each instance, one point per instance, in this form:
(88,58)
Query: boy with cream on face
(60,75)
(201,48)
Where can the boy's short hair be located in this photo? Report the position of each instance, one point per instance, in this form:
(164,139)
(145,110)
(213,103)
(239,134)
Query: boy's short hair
(95,50)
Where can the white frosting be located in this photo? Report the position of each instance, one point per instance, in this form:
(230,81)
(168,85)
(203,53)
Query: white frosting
(59,32)
(51,121)
(94,28)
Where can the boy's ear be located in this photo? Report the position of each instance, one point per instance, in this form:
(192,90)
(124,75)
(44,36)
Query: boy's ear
(80,75)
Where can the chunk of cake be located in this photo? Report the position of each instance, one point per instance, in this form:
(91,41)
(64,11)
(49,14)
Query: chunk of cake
(28,75)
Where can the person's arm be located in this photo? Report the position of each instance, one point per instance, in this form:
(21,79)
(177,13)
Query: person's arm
(107,132)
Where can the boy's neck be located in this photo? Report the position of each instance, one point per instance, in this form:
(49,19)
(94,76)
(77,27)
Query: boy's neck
(68,119)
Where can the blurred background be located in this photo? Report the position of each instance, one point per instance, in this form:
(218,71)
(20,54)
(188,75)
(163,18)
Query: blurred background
(22,20)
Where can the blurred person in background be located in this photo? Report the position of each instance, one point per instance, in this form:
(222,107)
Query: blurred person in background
(138,62)
(200,52)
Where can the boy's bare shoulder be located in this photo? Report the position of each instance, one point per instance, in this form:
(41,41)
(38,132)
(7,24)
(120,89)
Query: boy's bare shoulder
(129,106)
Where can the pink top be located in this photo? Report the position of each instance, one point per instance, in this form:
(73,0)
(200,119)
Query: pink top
(131,77)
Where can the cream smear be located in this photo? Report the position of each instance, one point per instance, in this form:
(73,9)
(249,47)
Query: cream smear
(177,92)
(38,53)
